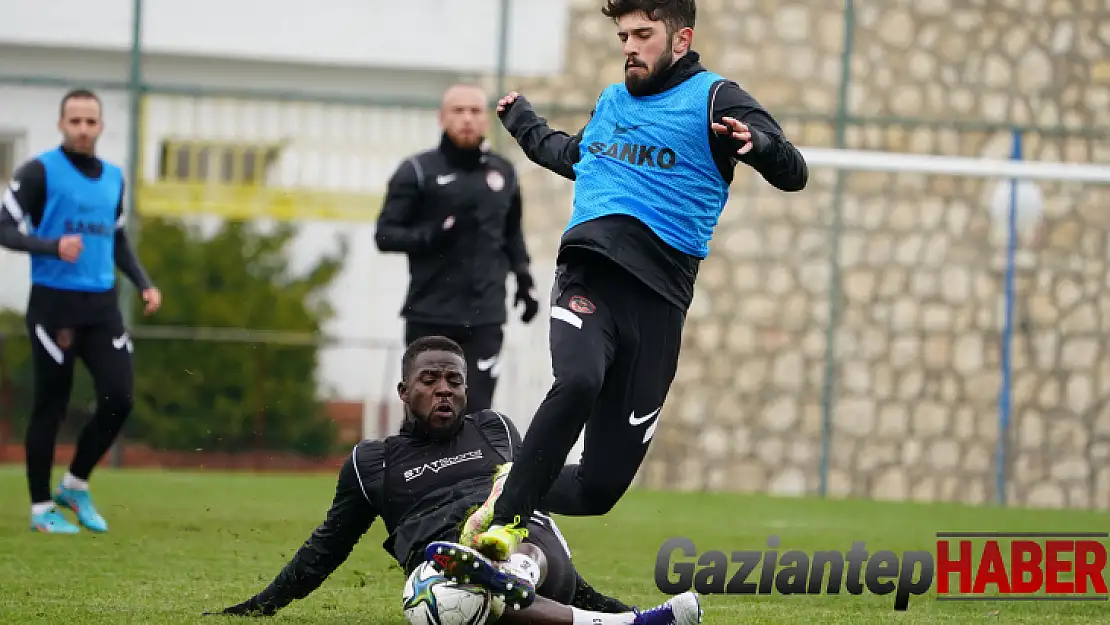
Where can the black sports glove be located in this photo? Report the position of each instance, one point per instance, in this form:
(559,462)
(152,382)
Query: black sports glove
(524,286)
(250,607)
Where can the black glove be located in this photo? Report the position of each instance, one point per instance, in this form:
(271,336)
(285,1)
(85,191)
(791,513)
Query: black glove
(250,607)
(502,113)
(524,286)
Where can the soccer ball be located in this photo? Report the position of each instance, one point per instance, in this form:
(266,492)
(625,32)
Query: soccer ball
(429,598)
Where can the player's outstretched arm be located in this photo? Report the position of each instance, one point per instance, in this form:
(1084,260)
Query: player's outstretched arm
(553,150)
(22,202)
(350,516)
(747,133)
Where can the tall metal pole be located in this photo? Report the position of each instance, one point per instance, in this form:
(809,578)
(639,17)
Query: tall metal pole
(135,122)
(502,59)
(834,250)
(134,171)
(1005,393)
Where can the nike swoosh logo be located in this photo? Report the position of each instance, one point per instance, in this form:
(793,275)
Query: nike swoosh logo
(445,179)
(635,421)
(485,365)
(620,130)
(120,342)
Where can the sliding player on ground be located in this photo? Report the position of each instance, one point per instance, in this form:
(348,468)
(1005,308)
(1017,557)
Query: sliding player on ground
(422,482)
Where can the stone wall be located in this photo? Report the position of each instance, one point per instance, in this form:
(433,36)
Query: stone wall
(918,342)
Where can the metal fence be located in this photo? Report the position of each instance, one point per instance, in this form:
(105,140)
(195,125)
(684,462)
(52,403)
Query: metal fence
(850,340)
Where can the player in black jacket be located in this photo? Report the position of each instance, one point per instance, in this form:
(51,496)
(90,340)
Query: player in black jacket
(421,483)
(455,211)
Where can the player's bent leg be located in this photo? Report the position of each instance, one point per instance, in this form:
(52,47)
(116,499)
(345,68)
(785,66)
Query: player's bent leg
(526,573)
(546,549)
(577,492)
(465,565)
(561,596)
(52,360)
(614,447)
(628,411)
(106,351)
(583,338)
(561,581)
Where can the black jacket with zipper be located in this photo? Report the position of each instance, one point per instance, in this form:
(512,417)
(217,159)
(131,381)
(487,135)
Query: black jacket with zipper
(457,276)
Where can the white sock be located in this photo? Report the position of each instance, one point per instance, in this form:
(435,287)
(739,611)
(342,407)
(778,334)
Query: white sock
(73,483)
(526,567)
(585,617)
(41,507)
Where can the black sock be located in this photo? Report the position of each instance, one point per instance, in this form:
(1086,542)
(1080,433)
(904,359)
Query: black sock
(587,598)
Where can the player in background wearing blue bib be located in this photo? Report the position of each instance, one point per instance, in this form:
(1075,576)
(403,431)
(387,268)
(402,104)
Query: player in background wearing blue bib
(71,204)
(651,174)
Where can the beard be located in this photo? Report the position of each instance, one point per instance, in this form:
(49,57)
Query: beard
(638,85)
(75,144)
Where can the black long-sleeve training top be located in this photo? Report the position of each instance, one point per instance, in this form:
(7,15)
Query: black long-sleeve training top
(420,487)
(627,241)
(23,203)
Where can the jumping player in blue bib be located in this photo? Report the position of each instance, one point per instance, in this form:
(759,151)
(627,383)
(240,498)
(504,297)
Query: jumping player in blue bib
(651,173)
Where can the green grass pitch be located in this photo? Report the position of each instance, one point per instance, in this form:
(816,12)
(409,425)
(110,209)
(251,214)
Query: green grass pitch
(185,542)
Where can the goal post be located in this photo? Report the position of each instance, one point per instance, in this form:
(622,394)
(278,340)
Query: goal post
(928,164)
(1016,206)
(863,337)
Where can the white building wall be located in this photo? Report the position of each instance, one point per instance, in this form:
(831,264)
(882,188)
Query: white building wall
(444,35)
(368,294)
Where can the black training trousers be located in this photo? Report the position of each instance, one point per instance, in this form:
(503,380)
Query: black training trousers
(58,339)
(482,346)
(614,352)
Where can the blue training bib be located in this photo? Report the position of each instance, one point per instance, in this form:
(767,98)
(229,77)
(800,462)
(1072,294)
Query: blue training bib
(76,204)
(650,158)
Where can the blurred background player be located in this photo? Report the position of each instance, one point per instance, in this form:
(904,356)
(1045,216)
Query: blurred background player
(456,212)
(648,193)
(71,204)
(389,479)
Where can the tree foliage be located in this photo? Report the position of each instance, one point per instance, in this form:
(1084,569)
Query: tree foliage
(197,394)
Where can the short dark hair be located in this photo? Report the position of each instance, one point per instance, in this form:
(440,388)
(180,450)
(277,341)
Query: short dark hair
(675,14)
(73,94)
(427,344)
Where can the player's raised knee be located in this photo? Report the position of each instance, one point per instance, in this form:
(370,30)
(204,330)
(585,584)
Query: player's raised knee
(582,385)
